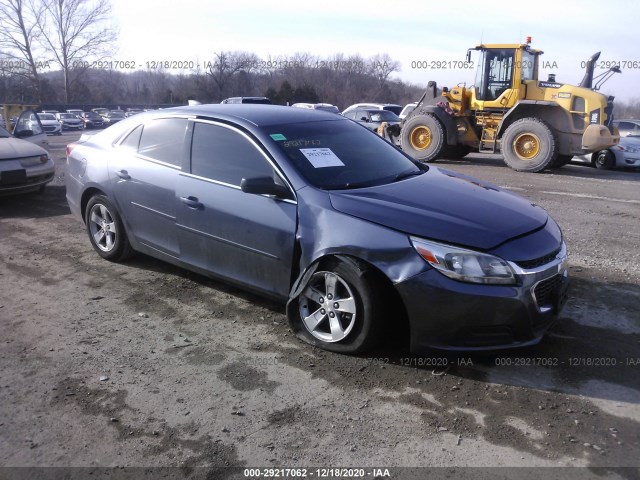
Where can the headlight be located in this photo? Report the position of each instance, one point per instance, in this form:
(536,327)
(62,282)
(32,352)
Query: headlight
(464,265)
(33,161)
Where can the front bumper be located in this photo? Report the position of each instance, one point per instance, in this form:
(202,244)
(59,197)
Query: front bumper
(28,179)
(598,137)
(452,315)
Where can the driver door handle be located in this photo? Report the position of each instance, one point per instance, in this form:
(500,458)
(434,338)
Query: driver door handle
(191,202)
(123,174)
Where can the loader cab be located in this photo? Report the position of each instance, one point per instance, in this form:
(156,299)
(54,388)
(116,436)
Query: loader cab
(501,73)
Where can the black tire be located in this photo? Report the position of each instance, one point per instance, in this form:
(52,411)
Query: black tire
(456,152)
(423,138)
(118,248)
(368,306)
(528,145)
(603,160)
(561,161)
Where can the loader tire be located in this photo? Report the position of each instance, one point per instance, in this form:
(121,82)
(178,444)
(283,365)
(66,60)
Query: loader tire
(456,152)
(423,138)
(561,161)
(528,145)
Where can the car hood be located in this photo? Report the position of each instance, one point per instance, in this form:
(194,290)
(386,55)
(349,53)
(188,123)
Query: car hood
(445,206)
(17,148)
(49,122)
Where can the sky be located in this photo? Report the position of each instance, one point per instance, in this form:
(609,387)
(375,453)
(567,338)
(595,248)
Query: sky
(569,32)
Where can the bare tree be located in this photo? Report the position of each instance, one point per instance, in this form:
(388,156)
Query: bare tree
(226,64)
(19,35)
(381,66)
(77,32)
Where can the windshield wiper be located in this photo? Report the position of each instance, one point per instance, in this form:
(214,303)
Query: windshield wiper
(411,173)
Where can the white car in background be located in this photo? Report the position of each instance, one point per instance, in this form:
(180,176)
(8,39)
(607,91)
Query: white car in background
(408,108)
(392,107)
(50,124)
(325,107)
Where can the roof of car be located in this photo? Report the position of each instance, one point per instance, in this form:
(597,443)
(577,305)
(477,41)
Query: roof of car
(259,115)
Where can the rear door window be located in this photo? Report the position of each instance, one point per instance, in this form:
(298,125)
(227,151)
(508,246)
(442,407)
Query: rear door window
(163,140)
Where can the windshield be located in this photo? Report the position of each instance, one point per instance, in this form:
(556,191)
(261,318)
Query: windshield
(340,154)
(67,115)
(4,133)
(384,116)
(396,109)
(46,116)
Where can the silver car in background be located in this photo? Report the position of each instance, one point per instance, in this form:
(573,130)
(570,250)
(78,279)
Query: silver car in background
(624,155)
(24,166)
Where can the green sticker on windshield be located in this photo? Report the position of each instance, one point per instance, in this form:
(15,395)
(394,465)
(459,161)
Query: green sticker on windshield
(278,136)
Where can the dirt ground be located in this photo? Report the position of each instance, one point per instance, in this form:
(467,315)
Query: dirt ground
(144,364)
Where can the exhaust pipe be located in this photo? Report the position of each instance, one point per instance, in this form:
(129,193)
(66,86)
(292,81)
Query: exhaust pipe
(587,80)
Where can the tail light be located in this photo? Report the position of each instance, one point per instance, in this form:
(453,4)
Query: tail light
(70,147)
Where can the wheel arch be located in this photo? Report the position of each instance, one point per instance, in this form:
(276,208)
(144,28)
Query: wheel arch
(364,267)
(551,113)
(86,196)
(447,121)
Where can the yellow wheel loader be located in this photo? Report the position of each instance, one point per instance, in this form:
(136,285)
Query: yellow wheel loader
(534,124)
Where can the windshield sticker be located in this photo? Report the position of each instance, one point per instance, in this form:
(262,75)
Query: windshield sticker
(322,157)
(278,136)
(302,143)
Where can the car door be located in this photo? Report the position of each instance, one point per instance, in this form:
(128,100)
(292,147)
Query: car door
(29,128)
(243,237)
(144,174)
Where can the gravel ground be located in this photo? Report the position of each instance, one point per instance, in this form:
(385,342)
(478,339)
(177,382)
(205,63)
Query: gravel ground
(144,364)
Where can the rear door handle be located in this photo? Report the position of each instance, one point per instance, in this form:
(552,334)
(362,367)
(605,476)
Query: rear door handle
(123,174)
(191,202)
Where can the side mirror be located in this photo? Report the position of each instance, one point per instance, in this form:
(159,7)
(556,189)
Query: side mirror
(364,119)
(23,133)
(264,186)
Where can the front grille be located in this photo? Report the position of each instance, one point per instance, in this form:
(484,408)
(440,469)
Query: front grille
(49,128)
(537,262)
(546,290)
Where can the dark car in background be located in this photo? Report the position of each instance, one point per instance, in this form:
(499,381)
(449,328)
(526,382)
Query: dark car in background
(113,116)
(69,121)
(372,119)
(311,209)
(92,120)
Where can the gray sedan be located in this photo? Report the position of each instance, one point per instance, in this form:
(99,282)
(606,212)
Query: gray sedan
(315,210)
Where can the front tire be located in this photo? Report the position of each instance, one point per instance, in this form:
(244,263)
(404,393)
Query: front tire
(603,160)
(340,309)
(528,145)
(423,138)
(106,230)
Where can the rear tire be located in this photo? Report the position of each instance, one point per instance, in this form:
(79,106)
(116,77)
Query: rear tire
(603,160)
(106,230)
(340,309)
(456,152)
(423,138)
(561,161)
(528,145)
